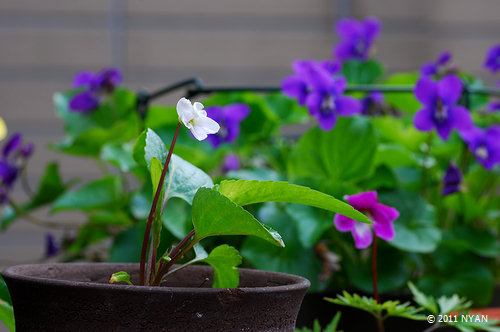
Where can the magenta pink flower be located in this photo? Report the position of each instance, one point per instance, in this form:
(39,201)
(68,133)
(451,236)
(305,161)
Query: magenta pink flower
(381,215)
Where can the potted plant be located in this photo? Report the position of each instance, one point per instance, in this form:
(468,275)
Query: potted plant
(79,297)
(425,141)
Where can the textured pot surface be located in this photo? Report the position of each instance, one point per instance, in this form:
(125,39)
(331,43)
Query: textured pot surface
(77,297)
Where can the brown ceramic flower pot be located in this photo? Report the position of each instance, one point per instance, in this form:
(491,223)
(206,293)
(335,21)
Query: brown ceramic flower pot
(78,297)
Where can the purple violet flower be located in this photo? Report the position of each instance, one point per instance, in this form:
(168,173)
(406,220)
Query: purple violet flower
(371,101)
(51,247)
(440,112)
(494,106)
(356,38)
(13,158)
(484,145)
(492,61)
(382,216)
(325,100)
(228,118)
(231,162)
(94,86)
(452,180)
(432,68)
(12,145)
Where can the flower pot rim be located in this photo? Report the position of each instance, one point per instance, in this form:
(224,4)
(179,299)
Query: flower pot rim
(16,271)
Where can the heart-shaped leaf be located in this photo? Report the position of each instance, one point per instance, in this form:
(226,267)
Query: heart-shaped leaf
(215,214)
(224,260)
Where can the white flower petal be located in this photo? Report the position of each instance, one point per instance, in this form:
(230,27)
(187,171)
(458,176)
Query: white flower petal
(209,125)
(185,110)
(199,133)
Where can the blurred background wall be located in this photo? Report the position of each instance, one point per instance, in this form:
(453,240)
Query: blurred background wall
(225,42)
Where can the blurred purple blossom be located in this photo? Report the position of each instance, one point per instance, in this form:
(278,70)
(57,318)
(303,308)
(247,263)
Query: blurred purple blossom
(356,38)
(432,68)
(94,86)
(231,162)
(51,247)
(382,216)
(484,145)
(452,180)
(494,106)
(371,101)
(440,110)
(13,159)
(229,118)
(492,61)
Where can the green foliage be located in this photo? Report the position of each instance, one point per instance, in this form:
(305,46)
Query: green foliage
(121,276)
(244,192)
(265,256)
(458,273)
(446,305)
(49,189)
(343,154)
(97,194)
(224,260)
(362,72)
(381,311)
(215,214)
(415,228)
(403,101)
(331,327)
(7,315)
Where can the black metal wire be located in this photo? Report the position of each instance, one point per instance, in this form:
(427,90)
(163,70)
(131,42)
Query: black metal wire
(144,98)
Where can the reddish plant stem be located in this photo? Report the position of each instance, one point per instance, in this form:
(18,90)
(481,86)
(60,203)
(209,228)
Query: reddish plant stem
(374,268)
(174,255)
(153,208)
(380,325)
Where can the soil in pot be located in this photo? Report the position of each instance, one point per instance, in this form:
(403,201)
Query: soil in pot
(77,297)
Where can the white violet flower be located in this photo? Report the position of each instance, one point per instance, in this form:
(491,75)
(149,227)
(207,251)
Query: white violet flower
(194,117)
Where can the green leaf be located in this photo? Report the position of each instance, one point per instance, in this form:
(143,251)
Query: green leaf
(4,291)
(215,214)
(90,141)
(379,310)
(177,220)
(49,189)
(121,276)
(265,256)
(147,146)
(224,260)
(96,194)
(120,155)
(286,108)
(159,116)
(481,242)
(343,154)
(244,192)
(156,170)
(458,273)
(452,303)
(7,315)
(404,101)
(394,130)
(415,228)
(127,245)
(425,301)
(184,179)
(111,218)
(311,222)
(362,72)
